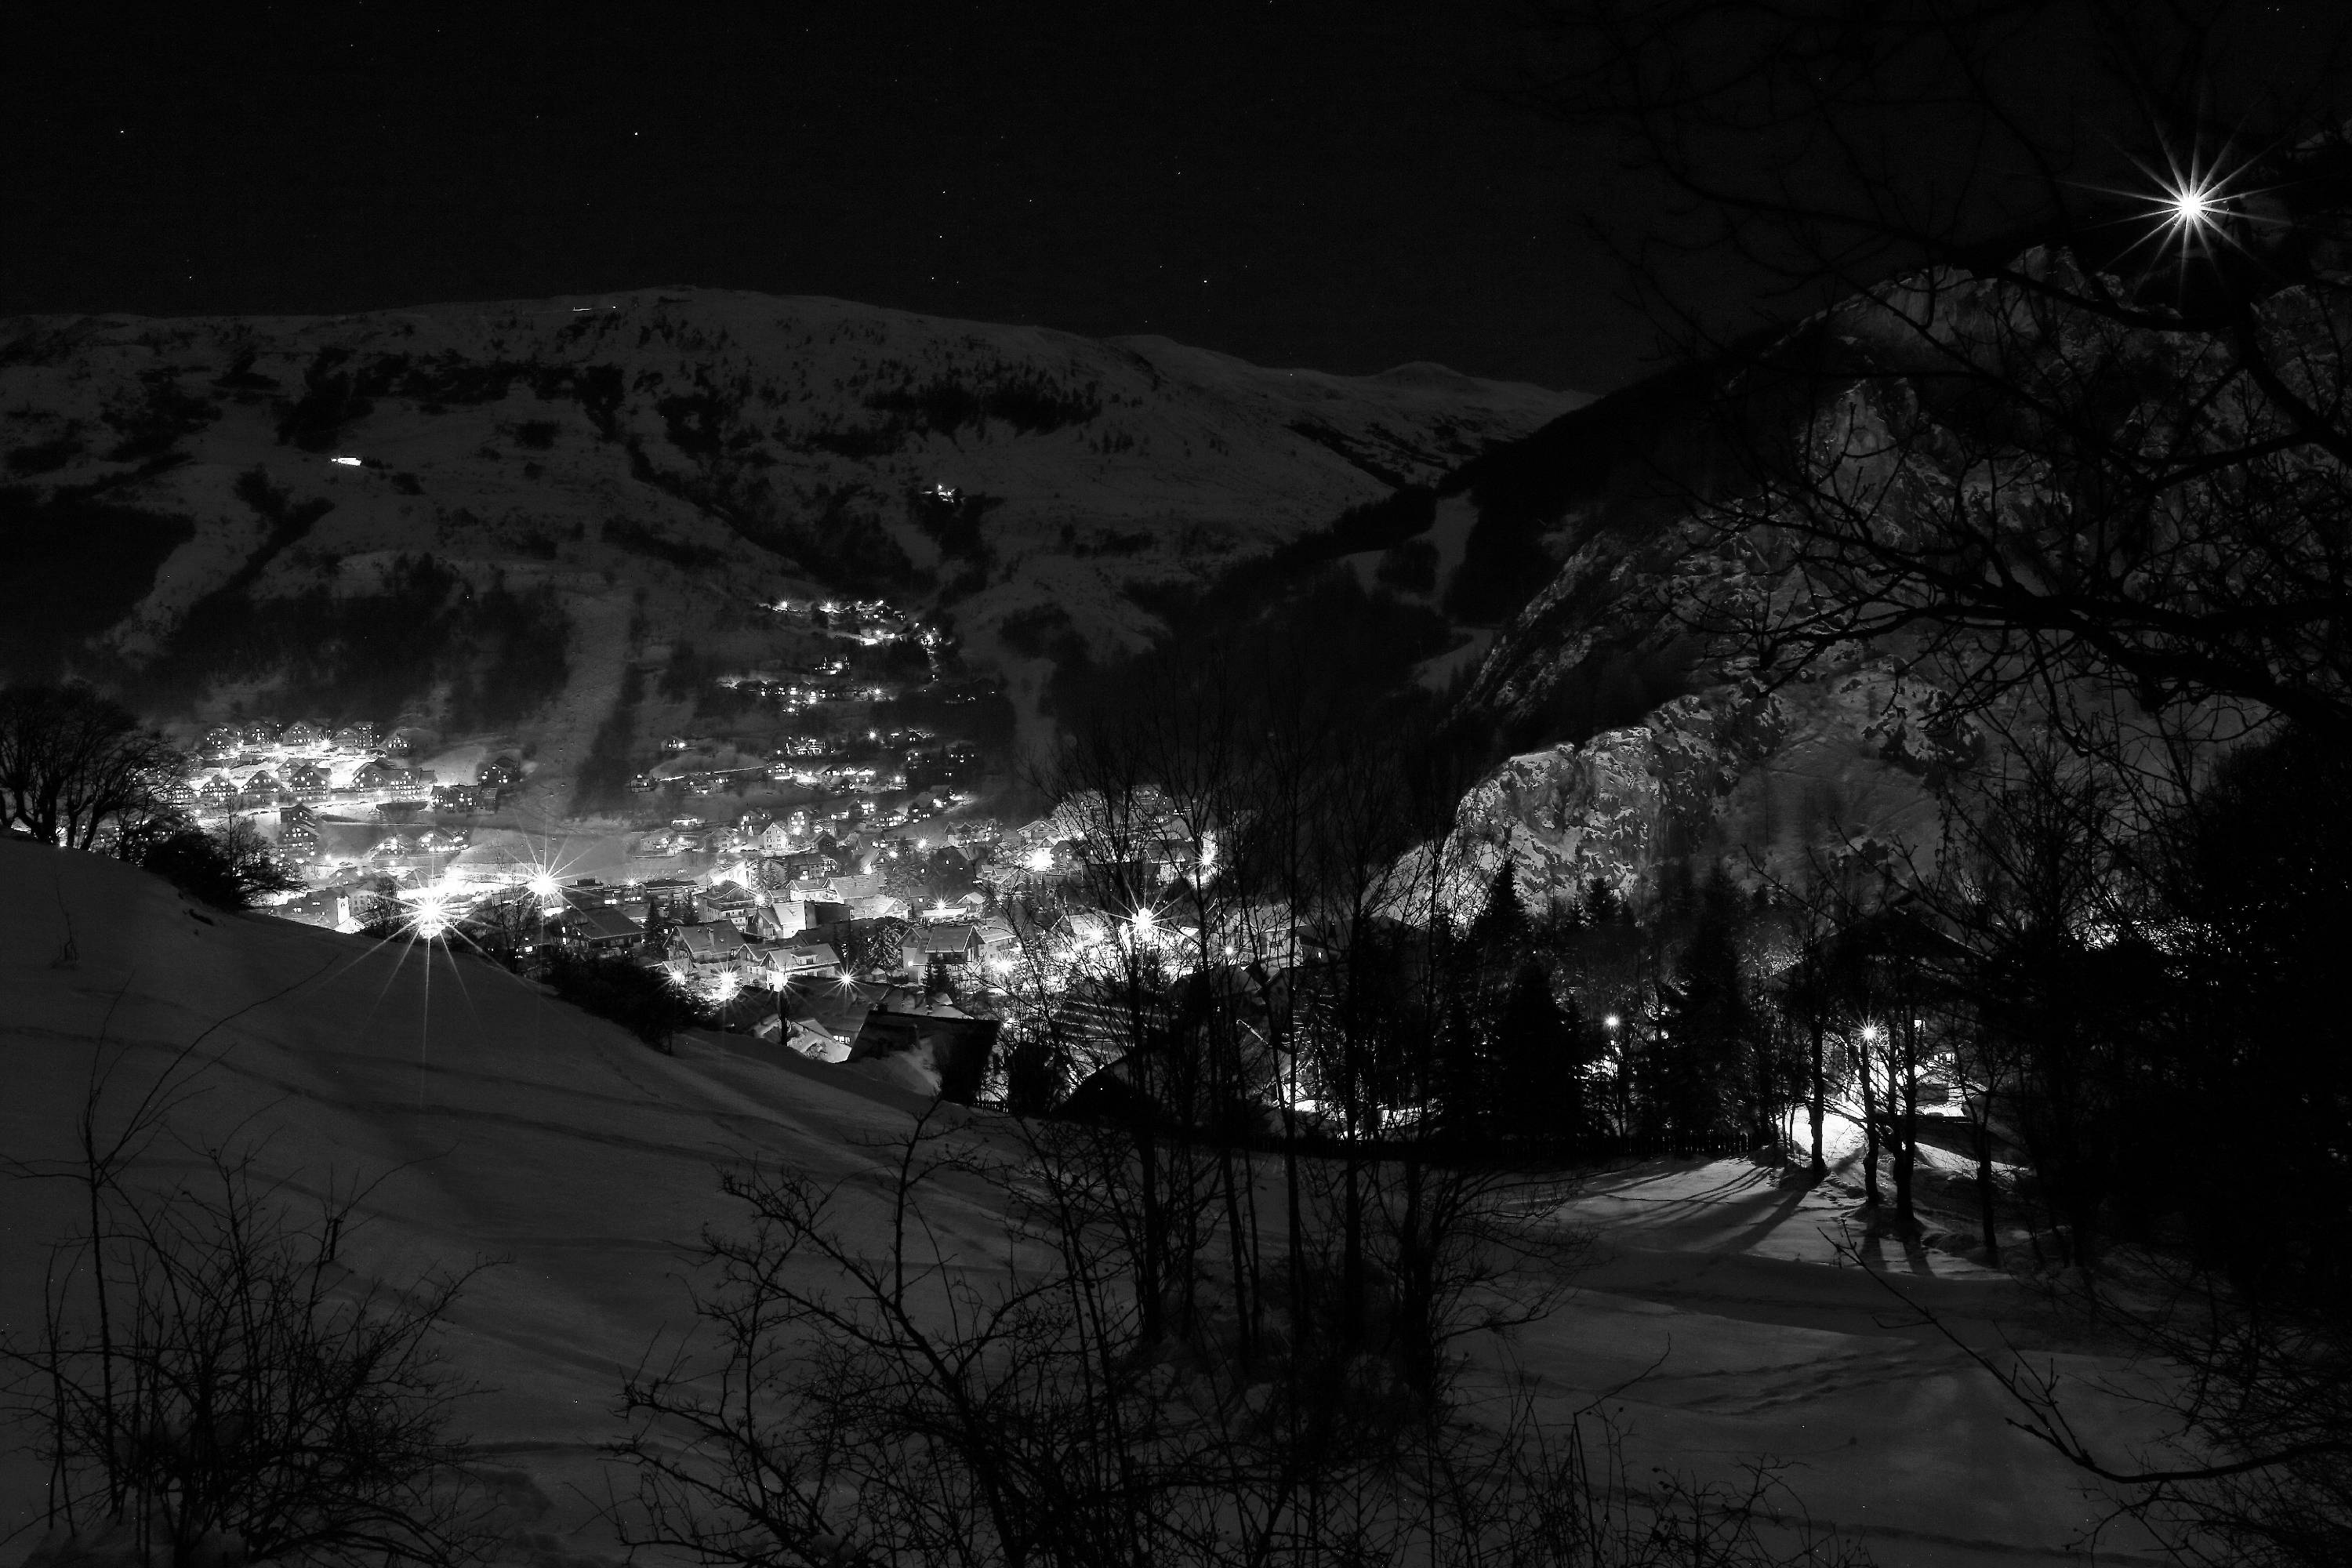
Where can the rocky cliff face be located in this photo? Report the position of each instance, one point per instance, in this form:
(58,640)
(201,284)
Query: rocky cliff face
(1641,732)
(1983,508)
(1779,784)
(652,464)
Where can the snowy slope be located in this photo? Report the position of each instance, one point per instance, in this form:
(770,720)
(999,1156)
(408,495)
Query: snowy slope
(1714,1314)
(504,1126)
(707,448)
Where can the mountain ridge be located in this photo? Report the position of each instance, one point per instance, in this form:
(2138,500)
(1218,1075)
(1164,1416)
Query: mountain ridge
(698,451)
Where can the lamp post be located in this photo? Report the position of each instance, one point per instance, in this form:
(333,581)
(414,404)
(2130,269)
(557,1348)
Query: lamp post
(1611,1023)
(1870,1035)
(543,891)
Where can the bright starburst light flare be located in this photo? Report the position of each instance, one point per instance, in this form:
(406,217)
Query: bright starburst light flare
(2192,204)
(433,910)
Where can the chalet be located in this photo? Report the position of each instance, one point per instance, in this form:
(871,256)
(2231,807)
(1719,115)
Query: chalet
(306,777)
(302,733)
(881,906)
(706,952)
(597,928)
(360,737)
(222,740)
(257,733)
(500,772)
(849,888)
(298,834)
(460,797)
(773,840)
(778,964)
(778,872)
(396,845)
(179,795)
(218,793)
(380,773)
(263,785)
(956,943)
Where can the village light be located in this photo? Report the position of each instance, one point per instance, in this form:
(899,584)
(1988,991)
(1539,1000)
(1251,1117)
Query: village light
(433,911)
(1610,1022)
(1040,860)
(542,883)
(1869,1034)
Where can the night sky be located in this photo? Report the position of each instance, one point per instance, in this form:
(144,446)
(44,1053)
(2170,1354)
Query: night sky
(1347,186)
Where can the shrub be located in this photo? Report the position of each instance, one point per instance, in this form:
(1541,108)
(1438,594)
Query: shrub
(227,868)
(641,1000)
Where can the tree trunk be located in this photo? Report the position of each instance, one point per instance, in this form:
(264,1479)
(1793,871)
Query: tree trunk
(1904,1115)
(1984,1110)
(1813,1101)
(1869,1127)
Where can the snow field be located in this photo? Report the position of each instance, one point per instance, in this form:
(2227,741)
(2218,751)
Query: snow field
(1713,1317)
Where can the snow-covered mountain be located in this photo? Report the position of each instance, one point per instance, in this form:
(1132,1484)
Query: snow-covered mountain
(657,462)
